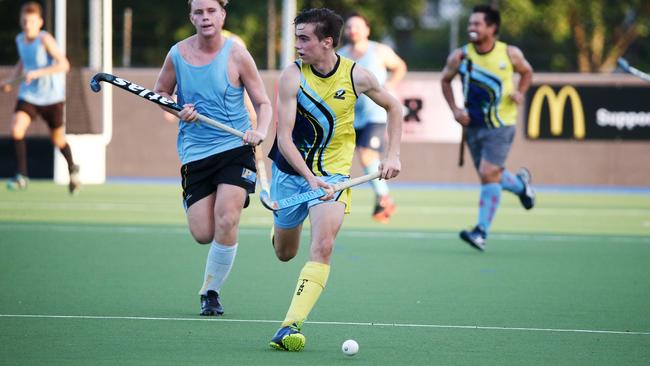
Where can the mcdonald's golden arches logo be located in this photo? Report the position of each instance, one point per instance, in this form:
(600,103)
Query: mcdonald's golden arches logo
(556,106)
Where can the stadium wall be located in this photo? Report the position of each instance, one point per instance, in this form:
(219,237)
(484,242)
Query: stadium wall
(144,139)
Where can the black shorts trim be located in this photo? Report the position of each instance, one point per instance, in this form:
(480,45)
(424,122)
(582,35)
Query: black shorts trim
(236,167)
(52,114)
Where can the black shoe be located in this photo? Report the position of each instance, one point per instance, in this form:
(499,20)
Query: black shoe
(476,238)
(210,305)
(75,181)
(527,197)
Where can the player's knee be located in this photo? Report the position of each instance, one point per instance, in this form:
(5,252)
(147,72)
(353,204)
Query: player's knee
(202,235)
(367,156)
(203,239)
(322,249)
(17,134)
(226,222)
(285,254)
(489,175)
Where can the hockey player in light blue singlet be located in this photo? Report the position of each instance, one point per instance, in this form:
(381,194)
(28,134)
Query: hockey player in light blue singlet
(209,73)
(369,118)
(40,71)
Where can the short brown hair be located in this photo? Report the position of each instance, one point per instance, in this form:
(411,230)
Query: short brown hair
(223,3)
(32,7)
(327,23)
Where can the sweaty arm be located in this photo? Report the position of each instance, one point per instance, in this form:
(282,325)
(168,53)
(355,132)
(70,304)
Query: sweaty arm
(448,74)
(165,86)
(525,71)
(365,82)
(254,86)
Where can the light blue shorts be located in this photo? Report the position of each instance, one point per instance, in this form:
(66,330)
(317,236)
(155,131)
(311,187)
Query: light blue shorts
(285,185)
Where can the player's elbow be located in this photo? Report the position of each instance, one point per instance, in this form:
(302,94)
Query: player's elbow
(64,65)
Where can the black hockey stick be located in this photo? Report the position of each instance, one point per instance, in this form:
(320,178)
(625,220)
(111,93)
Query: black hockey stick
(152,97)
(466,79)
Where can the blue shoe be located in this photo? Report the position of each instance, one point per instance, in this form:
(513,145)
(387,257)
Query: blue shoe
(210,305)
(18,183)
(476,238)
(289,339)
(527,197)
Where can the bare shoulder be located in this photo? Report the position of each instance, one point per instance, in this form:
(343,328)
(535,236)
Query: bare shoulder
(385,49)
(239,52)
(453,63)
(289,79)
(455,57)
(184,46)
(514,52)
(518,60)
(363,79)
(48,39)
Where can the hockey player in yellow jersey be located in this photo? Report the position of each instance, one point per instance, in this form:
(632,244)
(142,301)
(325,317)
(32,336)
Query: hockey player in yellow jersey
(314,148)
(490,114)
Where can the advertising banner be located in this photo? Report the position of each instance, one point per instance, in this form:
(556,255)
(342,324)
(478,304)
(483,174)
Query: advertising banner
(427,117)
(588,112)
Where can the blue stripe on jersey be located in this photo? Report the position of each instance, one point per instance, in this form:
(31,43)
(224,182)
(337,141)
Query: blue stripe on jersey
(484,95)
(321,112)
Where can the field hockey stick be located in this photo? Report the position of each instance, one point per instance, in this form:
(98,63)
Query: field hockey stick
(153,97)
(311,195)
(625,66)
(259,157)
(466,78)
(15,81)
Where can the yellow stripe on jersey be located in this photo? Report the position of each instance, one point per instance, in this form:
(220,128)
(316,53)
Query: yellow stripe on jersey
(324,128)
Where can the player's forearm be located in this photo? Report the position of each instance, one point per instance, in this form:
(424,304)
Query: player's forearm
(264,113)
(165,94)
(294,158)
(448,94)
(525,79)
(63,66)
(394,129)
(397,75)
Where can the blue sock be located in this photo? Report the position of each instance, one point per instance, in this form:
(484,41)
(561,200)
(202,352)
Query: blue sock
(511,182)
(379,186)
(489,202)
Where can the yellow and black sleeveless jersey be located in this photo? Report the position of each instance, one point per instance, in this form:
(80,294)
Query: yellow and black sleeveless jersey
(324,129)
(490,86)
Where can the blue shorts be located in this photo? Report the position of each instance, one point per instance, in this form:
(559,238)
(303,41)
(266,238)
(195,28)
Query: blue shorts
(371,136)
(285,185)
(491,144)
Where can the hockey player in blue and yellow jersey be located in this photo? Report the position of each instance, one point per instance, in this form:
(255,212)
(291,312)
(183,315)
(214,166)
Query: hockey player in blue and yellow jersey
(314,148)
(490,114)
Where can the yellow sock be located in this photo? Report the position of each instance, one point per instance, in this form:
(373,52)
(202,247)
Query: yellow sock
(311,283)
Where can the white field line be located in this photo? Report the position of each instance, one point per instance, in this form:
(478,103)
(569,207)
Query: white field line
(361,324)
(410,209)
(405,235)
